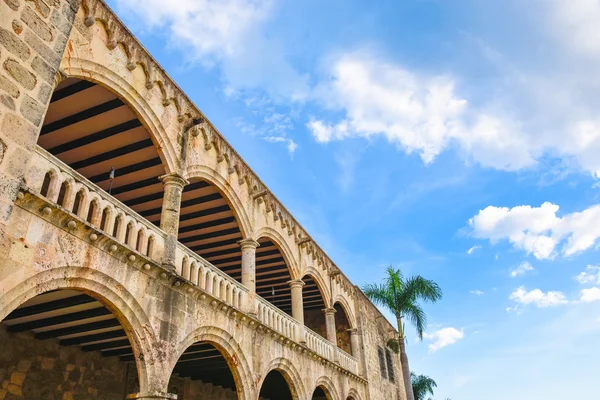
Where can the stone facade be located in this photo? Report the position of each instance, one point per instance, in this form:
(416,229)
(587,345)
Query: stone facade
(165,297)
(376,331)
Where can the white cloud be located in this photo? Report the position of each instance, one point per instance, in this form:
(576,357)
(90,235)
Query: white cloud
(538,230)
(590,275)
(521,269)
(590,295)
(443,338)
(537,297)
(477,292)
(290,144)
(472,249)
(229,34)
(418,113)
(575,24)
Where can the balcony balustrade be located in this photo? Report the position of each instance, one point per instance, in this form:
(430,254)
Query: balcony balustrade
(89,204)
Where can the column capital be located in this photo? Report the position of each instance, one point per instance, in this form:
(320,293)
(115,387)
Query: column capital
(329,311)
(294,283)
(248,243)
(352,331)
(174,179)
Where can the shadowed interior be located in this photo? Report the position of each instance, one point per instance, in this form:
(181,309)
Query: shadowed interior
(75,319)
(91,129)
(275,387)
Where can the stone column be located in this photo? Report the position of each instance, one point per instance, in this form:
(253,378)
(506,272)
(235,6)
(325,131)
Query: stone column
(330,325)
(298,306)
(248,247)
(169,217)
(355,346)
(153,396)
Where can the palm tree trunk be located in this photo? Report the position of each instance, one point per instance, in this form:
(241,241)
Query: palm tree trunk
(404,361)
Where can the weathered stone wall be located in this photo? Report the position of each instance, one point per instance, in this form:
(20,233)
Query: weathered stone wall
(376,331)
(33,36)
(187,389)
(33,369)
(39,253)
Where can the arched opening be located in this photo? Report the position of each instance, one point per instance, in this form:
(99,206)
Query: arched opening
(65,344)
(92,212)
(314,304)
(209,227)
(46,184)
(62,194)
(203,372)
(104,219)
(321,393)
(273,275)
(92,130)
(275,387)
(150,247)
(78,204)
(342,325)
(117,227)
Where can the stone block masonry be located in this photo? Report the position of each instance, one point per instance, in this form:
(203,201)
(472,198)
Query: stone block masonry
(166,275)
(33,36)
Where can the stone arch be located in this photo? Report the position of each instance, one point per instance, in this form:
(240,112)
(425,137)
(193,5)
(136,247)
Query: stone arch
(317,276)
(343,302)
(230,349)
(291,375)
(97,73)
(224,187)
(326,383)
(277,238)
(112,295)
(353,395)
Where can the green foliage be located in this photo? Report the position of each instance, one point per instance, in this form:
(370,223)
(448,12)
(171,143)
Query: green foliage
(393,345)
(422,385)
(401,296)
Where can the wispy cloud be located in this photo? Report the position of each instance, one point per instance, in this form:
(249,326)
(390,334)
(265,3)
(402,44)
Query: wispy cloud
(229,34)
(477,292)
(521,269)
(472,249)
(590,275)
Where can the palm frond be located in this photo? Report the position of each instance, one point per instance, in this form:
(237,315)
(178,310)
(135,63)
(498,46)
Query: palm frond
(415,314)
(422,385)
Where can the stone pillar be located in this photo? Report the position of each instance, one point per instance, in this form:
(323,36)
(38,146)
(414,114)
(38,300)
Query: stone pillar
(248,247)
(169,217)
(355,346)
(152,396)
(33,38)
(330,325)
(298,306)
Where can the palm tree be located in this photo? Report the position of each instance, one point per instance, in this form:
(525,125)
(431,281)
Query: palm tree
(401,297)
(421,385)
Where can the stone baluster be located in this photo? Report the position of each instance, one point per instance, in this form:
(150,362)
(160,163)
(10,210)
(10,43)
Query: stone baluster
(169,217)
(298,306)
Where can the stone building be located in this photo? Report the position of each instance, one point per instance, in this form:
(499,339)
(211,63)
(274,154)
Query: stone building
(183,277)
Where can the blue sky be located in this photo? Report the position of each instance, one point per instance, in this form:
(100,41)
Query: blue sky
(453,139)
